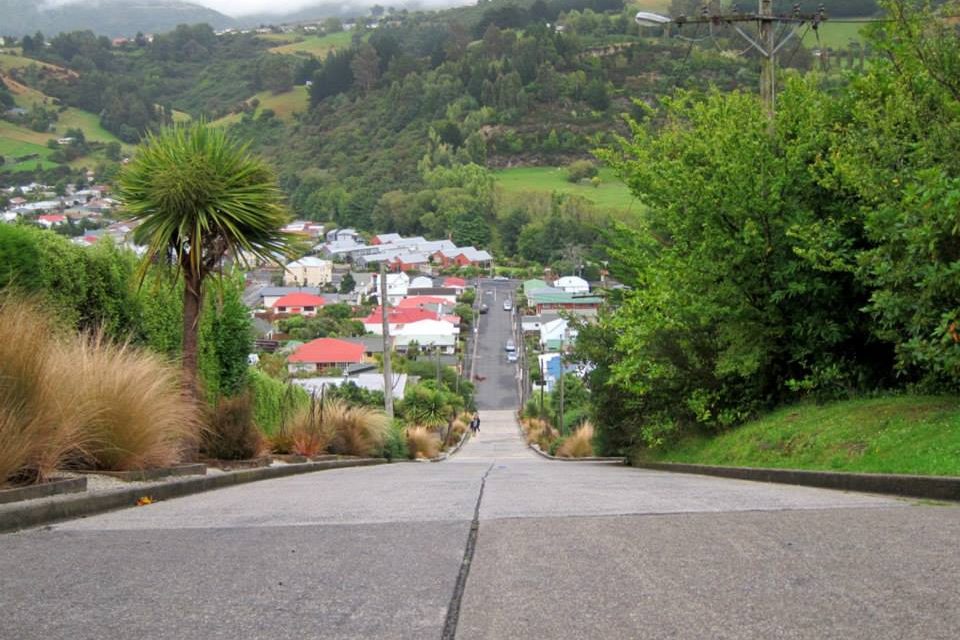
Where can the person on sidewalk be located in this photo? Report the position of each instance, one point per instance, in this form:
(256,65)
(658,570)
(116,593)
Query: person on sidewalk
(475,424)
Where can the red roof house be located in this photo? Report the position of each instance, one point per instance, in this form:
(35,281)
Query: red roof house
(455,283)
(305,304)
(420,302)
(324,353)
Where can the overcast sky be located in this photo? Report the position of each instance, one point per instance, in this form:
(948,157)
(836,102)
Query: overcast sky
(240,7)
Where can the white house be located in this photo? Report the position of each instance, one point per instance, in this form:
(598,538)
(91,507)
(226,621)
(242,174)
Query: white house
(308,271)
(397,286)
(421,282)
(556,334)
(572,284)
(427,334)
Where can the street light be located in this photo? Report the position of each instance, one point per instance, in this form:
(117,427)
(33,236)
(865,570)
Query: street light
(648,19)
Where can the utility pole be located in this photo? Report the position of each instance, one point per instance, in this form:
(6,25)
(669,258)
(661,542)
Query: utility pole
(768,74)
(387,373)
(562,431)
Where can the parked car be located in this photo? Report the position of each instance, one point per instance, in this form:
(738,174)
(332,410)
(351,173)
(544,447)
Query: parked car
(484,308)
(511,356)
(510,346)
(507,305)
(501,278)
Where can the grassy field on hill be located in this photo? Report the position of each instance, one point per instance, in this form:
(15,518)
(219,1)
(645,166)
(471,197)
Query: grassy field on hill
(899,434)
(11,148)
(283,104)
(611,194)
(318,46)
(837,35)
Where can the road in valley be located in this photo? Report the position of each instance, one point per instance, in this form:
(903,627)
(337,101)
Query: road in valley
(494,543)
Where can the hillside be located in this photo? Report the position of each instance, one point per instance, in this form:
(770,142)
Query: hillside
(904,434)
(105,17)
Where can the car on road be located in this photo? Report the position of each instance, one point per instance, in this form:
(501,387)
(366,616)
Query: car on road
(510,346)
(511,356)
(484,308)
(501,278)
(507,305)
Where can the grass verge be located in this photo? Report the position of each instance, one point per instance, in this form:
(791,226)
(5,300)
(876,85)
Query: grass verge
(897,434)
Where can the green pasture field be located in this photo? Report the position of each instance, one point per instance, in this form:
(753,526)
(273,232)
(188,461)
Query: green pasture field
(612,194)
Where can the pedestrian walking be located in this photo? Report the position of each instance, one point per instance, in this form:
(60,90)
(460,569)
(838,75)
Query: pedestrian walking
(475,423)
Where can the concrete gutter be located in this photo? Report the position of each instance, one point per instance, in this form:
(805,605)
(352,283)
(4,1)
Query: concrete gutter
(930,487)
(536,448)
(40,512)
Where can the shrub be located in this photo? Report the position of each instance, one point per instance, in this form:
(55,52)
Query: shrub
(40,420)
(579,444)
(359,431)
(422,442)
(309,433)
(540,432)
(395,442)
(133,410)
(233,434)
(581,170)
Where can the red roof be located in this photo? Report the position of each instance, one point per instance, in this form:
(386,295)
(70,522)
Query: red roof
(419,301)
(455,283)
(299,299)
(52,218)
(400,316)
(328,350)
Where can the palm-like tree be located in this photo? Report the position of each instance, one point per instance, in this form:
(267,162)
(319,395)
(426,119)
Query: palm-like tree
(199,196)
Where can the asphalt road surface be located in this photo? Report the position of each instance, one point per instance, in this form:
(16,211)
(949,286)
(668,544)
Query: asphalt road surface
(494,543)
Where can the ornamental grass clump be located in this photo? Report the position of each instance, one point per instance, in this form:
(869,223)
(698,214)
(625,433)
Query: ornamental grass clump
(540,432)
(357,430)
(308,433)
(40,417)
(422,443)
(579,444)
(134,412)
(232,432)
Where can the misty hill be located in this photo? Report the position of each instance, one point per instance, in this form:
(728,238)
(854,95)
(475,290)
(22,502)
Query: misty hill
(105,17)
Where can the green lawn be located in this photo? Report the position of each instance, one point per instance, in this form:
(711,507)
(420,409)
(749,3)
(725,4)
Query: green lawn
(836,35)
(10,148)
(318,46)
(611,194)
(899,434)
(87,122)
(283,104)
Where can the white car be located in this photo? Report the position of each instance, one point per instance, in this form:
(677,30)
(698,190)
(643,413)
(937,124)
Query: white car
(511,356)
(507,305)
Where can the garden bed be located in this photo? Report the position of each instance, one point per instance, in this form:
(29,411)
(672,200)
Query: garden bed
(229,465)
(54,487)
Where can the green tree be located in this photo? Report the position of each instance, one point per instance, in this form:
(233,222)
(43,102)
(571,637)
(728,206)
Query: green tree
(199,196)
(348,283)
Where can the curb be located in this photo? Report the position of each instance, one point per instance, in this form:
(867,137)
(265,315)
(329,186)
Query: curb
(80,505)
(930,487)
(546,455)
(456,448)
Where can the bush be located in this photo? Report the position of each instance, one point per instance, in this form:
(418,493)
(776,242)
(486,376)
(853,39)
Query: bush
(578,445)
(40,423)
(275,402)
(133,410)
(233,435)
(395,442)
(309,434)
(422,443)
(359,431)
(581,170)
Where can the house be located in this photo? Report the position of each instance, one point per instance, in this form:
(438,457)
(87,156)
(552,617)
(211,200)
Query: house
(532,324)
(429,334)
(304,228)
(556,334)
(268,296)
(551,299)
(299,304)
(371,344)
(455,283)
(51,220)
(325,353)
(343,235)
(428,303)
(462,257)
(398,285)
(385,238)
(368,381)
(420,282)
(572,284)
(450,295)
(396,317)
(308,270)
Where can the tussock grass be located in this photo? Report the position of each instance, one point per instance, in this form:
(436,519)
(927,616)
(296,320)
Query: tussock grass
(308,433)
(579,444)
(540,432)
(133,410)
(233,434)
(40,418)
(422,442)
(358,431)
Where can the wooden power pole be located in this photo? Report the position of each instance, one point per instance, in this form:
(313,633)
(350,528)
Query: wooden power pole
(387,373)
(768,75)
